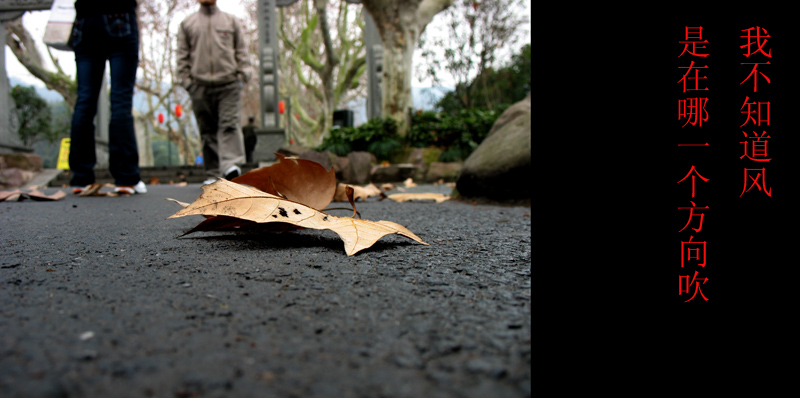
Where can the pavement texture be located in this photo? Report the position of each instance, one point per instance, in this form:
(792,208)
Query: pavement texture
(99,297)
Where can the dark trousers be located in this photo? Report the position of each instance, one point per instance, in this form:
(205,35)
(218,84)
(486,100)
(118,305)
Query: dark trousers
(95,40)
(249,146)
(216,109)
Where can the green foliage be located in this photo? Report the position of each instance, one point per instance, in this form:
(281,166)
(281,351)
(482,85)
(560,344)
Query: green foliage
(33,115)
(457,134)
(493,89)
(378,136)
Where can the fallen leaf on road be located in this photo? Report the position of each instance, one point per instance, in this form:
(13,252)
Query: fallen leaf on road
(183,204)
(299,180)
(34,194)
(92,190)
(409,183)
(232,200)
(358,192)
(402,197)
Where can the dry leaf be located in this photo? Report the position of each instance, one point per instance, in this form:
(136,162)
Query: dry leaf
(409,183)
(10,195)
(229,199)
(299,180)
(358,192)
(92,190)
(34,194)
(402,197)
(183,204)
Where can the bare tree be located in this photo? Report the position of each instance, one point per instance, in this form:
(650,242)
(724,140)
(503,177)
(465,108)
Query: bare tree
(157,79)
(400,23)
(322,63)
(474,35)
(24,47)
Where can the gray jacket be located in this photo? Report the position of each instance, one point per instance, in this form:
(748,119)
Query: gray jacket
(211,48)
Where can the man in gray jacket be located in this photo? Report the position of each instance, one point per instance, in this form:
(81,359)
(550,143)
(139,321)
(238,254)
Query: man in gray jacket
(212,67)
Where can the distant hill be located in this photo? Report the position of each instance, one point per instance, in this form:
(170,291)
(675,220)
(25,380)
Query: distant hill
(47,95)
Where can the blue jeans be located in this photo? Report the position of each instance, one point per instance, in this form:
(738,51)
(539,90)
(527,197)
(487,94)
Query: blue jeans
(95,40)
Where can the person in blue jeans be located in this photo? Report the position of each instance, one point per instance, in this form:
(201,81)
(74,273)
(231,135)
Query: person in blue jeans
(105,31)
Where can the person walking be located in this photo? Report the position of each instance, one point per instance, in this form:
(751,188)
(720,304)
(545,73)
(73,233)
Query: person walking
(250,138)
(105,31)
(213,66)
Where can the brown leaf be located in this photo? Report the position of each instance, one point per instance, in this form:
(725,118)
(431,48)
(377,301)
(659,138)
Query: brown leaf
(183,204)
(229,199)
(35,194)
(402,197)
(92,190)
(10,195)
(299,180)
(38,195)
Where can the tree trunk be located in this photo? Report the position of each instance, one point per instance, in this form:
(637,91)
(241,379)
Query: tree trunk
(24,48)
(400,23)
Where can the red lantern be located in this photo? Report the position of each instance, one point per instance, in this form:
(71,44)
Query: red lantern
(178,110)
(160,118)
(280,107)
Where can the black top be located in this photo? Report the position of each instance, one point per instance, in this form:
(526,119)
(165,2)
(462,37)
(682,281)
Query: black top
(88,8)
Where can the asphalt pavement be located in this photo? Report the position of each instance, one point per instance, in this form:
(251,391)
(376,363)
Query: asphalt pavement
(100,297)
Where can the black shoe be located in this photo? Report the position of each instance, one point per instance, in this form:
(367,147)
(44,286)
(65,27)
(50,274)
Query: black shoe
(233,172)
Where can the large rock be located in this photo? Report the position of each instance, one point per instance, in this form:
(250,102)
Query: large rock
(393,172)
(520,109)
(447,171)
(500,168)
(15,178)
(358,170)
(327,159)
(22,161)
(420,158)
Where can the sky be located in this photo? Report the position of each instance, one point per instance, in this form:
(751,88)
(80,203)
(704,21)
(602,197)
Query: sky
(36,21)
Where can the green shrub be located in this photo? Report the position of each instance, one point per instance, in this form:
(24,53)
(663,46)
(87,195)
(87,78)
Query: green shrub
(377,136)
(457,134)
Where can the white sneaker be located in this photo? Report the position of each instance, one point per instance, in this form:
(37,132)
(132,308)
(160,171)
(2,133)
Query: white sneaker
(138,188)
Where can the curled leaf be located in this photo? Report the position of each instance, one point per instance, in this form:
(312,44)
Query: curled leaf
(183,204)
(300,180)
(33,193)
(229,199)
